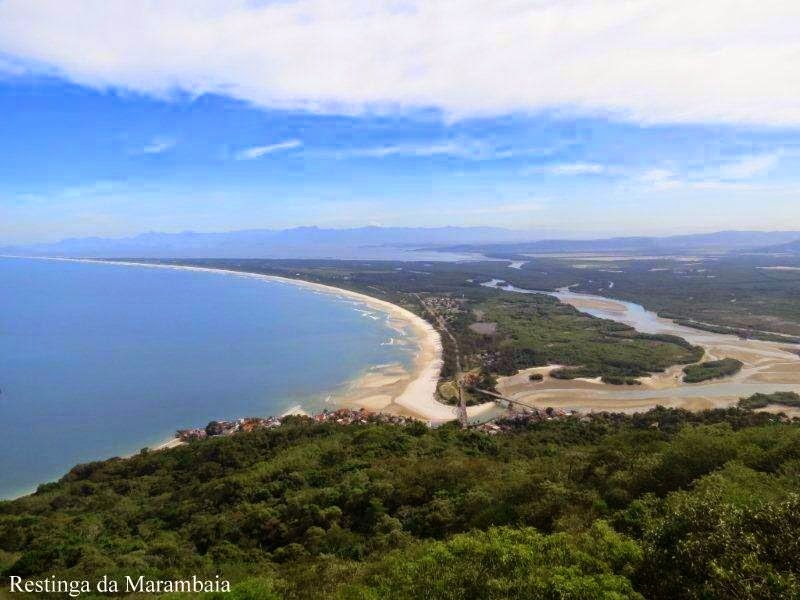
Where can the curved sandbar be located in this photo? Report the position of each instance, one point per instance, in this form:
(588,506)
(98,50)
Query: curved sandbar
(386,388)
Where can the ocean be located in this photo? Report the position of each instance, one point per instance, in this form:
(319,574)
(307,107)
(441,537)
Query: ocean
(101,360)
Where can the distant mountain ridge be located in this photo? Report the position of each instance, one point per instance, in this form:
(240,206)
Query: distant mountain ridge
(394,243)
(717,242)
(299,242)
(787,248)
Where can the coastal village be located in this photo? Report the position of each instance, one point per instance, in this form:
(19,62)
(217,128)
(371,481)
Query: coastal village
(347,416)
(342,416)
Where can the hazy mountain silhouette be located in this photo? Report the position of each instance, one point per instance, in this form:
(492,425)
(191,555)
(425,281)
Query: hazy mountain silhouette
(396,243)
(717,242)
(300,242)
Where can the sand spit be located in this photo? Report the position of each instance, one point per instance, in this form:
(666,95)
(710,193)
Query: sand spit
(386,388)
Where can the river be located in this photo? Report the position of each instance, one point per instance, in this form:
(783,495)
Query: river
(768,366)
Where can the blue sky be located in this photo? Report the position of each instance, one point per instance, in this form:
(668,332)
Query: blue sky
(119,146)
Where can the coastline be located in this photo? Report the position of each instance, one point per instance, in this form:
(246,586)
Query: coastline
(390,388)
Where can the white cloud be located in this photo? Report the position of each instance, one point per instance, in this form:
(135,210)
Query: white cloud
(259,151)
(748,166)
(658,179)
(647,60)
(656,175)
(731,175)
(95,188)
(466,149)
(158,145)
(579,168)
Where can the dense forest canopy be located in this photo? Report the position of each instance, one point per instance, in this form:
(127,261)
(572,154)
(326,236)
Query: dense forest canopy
(667,504)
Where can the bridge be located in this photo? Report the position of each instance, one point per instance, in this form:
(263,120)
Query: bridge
(510,401)
(461,411)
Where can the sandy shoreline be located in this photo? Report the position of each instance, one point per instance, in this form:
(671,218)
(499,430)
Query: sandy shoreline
(385,388)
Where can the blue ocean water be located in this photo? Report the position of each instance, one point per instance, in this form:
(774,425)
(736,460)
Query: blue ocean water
(99,360)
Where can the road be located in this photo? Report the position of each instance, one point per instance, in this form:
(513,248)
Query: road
(442,326)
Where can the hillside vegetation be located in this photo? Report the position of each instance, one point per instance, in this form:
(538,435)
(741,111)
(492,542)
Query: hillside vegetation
(666,505)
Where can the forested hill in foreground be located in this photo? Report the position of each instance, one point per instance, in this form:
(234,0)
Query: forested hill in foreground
(666,505)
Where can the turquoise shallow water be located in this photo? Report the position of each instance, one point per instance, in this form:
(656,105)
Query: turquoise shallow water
(98,360)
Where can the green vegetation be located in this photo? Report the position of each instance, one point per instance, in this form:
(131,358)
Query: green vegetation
(664,505)
(535,377)
(538,330)
(448,392)
(740,295)
(472,381)
(713,369)
(762,400)
(522,563)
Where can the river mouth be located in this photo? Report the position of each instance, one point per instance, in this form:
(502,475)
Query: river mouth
(768,366)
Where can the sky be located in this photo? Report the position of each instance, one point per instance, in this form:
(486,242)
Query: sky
(601,117)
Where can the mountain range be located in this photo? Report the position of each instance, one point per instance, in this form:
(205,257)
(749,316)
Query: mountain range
(792,247)
(299,242)
(705,243)
(396,243)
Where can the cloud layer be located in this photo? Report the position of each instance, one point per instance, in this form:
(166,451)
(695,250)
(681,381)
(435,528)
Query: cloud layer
(158,146)
(731,175)
(259,151)
(570,169)
(645,60)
